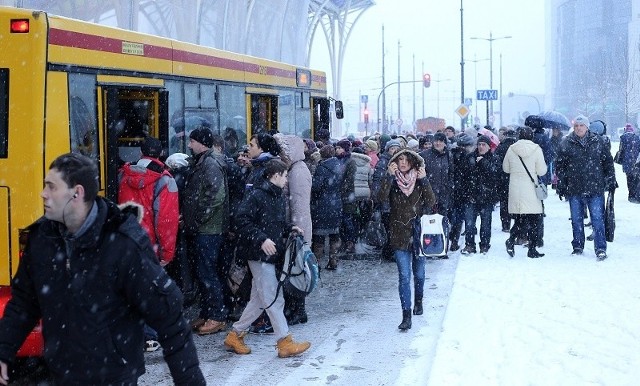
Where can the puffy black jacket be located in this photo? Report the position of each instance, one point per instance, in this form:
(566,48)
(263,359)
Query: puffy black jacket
(94,294)
(260,216)
(584,168)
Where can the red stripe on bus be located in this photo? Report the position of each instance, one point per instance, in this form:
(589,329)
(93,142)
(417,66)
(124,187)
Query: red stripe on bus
(100,43)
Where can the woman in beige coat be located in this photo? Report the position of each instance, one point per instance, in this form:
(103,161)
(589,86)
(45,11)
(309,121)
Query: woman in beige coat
(524,205)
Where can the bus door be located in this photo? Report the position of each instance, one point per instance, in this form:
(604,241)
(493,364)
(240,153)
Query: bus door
(264,114)
(321,118)
(129,114)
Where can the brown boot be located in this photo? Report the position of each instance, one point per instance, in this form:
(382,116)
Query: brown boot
(235,342)
(211,327)
(288,348)
(196,323)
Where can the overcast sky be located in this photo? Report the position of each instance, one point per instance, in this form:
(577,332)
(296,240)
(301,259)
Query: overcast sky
(430,29)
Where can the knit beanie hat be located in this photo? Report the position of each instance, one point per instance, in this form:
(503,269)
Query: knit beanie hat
(373,145)
(203,136)
(581,119)
(440,137)
(344,144)
(485,139)
(384,138)
(327,151)
(598,127)
(151,147)
(465,139)
(391,143)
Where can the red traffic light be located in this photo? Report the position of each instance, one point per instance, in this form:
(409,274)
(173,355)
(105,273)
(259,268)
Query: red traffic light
(426,80)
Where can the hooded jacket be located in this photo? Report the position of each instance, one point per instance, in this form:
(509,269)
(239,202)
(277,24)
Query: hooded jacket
(522,193)
(157,193)
(405,209)
(93,293)
(362,176)
(298,188)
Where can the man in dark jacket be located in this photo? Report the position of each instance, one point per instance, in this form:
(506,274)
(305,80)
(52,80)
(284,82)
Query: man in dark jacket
(90,274)
(585,172)
(205,211)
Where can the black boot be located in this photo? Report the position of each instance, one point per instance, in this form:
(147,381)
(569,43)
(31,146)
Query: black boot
(509,244)
(417,307)
(406,320)
(534,254)
(299,315)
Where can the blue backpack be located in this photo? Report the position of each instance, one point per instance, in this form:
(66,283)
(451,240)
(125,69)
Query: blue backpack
(299,273)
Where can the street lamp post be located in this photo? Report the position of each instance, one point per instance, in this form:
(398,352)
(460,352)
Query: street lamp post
(475,77)
(491,39)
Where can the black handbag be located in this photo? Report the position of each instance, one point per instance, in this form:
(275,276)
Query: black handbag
(609,218)
(374,233)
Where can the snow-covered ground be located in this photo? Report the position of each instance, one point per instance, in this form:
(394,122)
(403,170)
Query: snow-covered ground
(490,320)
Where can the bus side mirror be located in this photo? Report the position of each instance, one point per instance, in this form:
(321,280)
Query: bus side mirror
(339,110)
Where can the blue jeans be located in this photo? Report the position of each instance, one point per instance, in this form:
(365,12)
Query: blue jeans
(406,262)
(596,211)
(471,212)
(206,249)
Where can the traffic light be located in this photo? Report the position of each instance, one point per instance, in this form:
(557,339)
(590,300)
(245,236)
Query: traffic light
(426,80)
(366,116)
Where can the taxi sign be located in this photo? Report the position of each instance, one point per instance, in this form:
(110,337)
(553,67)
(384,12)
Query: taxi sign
(462,111)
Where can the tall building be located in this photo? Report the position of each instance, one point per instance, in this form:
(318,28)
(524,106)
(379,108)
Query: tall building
(593,60)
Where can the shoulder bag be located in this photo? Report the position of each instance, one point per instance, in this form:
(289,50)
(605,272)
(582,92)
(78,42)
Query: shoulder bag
(541,189)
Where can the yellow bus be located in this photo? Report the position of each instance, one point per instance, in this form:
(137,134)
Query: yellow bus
(68,85)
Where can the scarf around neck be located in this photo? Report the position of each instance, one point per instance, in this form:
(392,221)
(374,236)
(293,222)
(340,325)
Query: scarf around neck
(406,182)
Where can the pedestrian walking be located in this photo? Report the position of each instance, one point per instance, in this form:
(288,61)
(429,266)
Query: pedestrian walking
(585,171)
(262,225)
(409,194)
(103,283)
(522,162)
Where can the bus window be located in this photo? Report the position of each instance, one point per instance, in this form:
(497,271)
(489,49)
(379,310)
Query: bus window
(4,112)
(82,114)
(303,114)
(233,113)
(264,114)
(177,139)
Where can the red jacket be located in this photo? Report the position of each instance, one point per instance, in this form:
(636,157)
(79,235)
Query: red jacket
(158,195)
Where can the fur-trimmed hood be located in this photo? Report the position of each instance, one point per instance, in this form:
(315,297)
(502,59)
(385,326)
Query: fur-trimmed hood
(414,157)
(132,208)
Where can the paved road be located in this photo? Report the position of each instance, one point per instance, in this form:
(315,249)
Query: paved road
(353,319)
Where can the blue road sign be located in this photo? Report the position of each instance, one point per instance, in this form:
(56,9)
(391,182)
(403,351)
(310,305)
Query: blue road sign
(487,95)
(468,101)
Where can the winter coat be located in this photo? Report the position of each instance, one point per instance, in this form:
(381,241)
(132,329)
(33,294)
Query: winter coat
(584,167)
(629,150)
(541,138)
(157,193)
(261,216)
(439,167)
(311,159)
(93,293)
(205,207)
(405,209)
(347,189)
(257,169)
(522,193)
(484,177)
(374,159)
(326,204)
(463,175)
(502,181)
(298,188)
(379,174)
(554,145)
(362,176)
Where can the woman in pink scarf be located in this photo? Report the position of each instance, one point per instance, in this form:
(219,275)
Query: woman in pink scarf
(410,195)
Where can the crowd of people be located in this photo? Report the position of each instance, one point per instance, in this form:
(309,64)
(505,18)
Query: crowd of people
(213,210)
